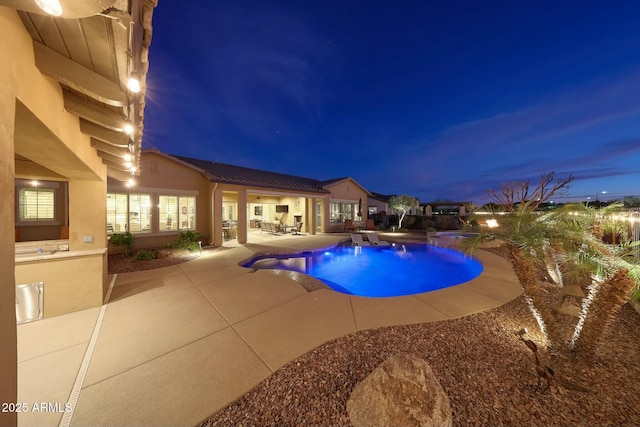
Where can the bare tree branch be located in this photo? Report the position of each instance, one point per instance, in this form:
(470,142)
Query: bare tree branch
(518,194)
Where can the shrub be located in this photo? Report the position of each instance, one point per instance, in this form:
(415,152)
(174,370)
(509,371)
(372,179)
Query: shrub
(125,239)
(186,240)
(145,255)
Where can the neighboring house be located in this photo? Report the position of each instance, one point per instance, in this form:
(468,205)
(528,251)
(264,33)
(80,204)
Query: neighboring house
(222,201)
(379,203)
(446,208)
(64,104)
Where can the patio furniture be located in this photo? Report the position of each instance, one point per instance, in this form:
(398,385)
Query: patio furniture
(269,227)
(370,225)
(373,238)
(348,225)
(298,228)
(357,240)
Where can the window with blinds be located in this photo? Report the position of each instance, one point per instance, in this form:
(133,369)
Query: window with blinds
(37,204)
(177,213)
(128,212)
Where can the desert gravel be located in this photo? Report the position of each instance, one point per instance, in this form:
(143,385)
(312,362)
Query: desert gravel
(487,372)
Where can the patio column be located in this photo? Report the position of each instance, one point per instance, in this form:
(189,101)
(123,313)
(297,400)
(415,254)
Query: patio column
(311,215)
(242,216)
(8,349)
(216,213)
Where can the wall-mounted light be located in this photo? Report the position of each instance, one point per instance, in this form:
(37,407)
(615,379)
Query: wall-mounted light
(127,157)
(34,183)
(52,7)
(133,85)
(133,169)
(131,182)
(128,164)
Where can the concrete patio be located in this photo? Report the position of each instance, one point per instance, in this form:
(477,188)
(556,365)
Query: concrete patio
(175,345)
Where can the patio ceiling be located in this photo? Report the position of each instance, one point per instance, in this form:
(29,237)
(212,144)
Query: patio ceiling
(92,49)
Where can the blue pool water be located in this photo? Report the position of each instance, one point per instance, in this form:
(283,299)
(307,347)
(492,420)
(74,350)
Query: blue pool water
(380,271)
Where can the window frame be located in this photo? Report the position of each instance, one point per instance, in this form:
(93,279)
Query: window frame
(48,187)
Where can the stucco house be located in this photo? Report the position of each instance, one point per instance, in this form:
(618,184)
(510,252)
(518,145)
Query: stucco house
(222,201)
(71,115)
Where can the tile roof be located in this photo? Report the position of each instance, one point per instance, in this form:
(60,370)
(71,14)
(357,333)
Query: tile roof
(230,174)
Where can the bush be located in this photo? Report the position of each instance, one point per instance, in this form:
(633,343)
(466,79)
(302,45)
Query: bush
(145,255)
(187,240)
(125,239)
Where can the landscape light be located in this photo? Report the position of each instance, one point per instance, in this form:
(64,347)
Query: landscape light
(52,7)
(492,223)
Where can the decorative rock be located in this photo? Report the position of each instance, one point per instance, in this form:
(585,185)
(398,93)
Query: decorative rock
(402,391)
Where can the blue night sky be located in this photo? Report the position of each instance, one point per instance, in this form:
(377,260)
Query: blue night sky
(435,99)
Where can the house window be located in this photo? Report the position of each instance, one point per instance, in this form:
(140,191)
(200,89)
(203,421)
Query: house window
(177,213)
(36,204)
(139,213)
(339,211)
(128,212)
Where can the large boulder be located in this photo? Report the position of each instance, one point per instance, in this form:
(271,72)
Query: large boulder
(402,391)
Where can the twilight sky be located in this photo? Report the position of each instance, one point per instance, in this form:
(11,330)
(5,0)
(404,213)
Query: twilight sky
(435,99)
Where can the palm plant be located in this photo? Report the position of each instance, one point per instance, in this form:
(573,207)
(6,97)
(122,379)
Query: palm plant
(534,244)
(566,244)
(613,277)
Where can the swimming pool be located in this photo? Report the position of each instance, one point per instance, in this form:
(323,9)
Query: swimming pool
(379,271)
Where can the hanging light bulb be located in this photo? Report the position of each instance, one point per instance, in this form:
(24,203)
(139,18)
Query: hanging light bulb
(128,129)
(127,157)
(52,7)
(133,85)
(131,182)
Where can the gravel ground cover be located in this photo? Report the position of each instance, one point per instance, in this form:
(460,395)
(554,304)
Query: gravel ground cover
(487,372)
(119,263)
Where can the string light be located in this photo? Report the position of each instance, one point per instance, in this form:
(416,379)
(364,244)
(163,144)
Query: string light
(128,129)
(52,7)
(133,85)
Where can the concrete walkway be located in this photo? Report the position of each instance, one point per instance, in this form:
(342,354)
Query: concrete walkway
(177,344)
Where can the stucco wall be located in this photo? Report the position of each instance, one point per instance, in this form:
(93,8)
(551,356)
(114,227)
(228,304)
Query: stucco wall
(70,284)
(8,349)
(33,123)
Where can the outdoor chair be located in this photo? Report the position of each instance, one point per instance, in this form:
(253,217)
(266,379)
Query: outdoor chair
(357,240)
(370,225)
(373,238)
(297,229)
(348,225)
